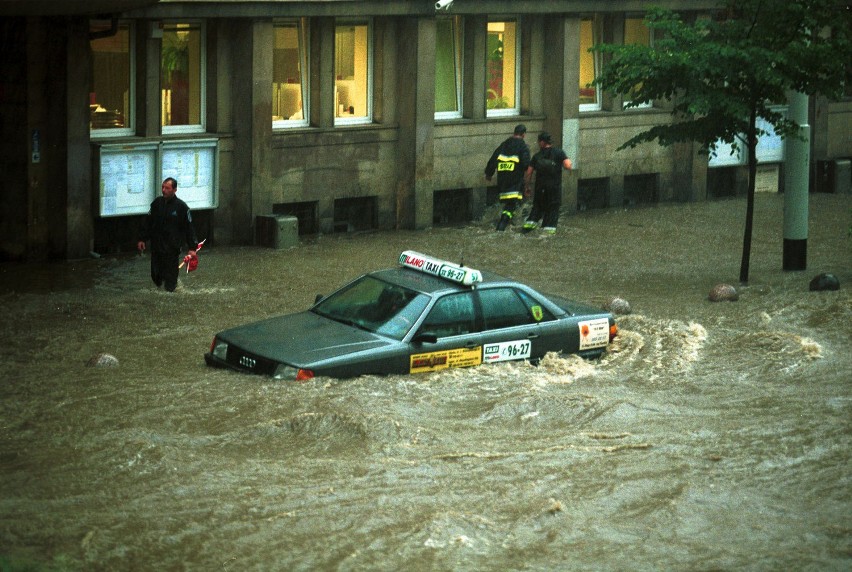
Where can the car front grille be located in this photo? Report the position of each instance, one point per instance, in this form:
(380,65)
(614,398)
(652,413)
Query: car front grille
(249,362)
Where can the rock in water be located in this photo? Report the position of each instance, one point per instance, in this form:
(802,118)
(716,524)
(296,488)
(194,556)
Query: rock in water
(723,293)
(618,305)
(102,360)
(824,281)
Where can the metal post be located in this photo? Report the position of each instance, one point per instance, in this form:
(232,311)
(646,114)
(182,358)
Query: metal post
(796,181)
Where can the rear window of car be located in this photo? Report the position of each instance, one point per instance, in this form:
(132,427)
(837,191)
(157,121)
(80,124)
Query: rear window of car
(452,315)
(507,307)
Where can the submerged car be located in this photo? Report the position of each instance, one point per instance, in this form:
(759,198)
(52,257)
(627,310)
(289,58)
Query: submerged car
(424,315)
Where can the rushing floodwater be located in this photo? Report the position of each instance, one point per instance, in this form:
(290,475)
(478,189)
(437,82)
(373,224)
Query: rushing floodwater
(713,436)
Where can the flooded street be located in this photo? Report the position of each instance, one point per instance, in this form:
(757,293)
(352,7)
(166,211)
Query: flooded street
(713,436)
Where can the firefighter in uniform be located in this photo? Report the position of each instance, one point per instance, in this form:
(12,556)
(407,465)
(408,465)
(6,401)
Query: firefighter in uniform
(510,160)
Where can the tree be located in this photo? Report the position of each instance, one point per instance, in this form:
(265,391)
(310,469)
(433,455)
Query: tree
(723,73)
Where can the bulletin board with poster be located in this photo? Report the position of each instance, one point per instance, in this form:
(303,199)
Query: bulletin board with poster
(770,147)
(127,178)
(194,165)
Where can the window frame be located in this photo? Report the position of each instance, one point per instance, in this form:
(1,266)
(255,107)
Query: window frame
(130,118)
(597,34)
(361,119)
(516,108)
(641,18)
(202,81)
(471,303)
(458,60)
(303,35)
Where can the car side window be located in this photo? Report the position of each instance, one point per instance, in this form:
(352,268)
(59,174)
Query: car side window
(452,315)
(507,307)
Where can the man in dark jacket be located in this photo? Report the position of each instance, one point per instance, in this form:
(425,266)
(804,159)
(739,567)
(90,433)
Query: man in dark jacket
(547,165)
(510,160)
(168,226)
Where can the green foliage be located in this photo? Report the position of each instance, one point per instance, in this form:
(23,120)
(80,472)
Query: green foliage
(722,73)
(495,101)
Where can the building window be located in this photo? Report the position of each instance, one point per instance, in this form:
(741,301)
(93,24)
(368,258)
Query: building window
(503,68)
(290,75)
(352,70)
(111,94)
(182,75)
(590,95)
(636,32)
(448,68)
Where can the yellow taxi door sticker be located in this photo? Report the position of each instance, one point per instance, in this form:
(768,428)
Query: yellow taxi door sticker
(434,361)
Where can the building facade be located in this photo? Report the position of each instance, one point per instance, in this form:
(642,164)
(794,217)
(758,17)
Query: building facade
(349,115)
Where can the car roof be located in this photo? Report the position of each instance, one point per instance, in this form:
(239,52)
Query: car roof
(427,283)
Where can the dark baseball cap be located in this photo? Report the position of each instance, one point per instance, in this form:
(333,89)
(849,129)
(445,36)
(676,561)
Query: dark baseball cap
(545,136)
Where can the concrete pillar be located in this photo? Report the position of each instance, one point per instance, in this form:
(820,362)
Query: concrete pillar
(797,170)
(476,39)
(239,201)
(322,72)
(261,116)
(570,112)
(79,209)
(416,113)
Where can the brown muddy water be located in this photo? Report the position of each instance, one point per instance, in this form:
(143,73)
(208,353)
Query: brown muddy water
(713,436)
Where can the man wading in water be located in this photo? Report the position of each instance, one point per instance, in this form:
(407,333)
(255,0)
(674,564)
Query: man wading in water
(168,225)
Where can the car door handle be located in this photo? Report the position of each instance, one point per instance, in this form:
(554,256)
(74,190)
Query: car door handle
(532,335)
(471,345)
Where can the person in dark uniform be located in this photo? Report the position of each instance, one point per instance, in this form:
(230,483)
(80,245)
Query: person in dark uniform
(168,226)
(547,165)
(510,161)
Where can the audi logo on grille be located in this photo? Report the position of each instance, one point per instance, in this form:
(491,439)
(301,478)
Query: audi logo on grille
(246,361)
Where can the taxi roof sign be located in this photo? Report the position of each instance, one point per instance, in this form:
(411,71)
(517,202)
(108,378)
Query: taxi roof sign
(440,268)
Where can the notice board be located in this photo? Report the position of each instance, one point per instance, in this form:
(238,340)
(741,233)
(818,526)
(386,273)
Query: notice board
(193,165)
(130,175)
(770,147)
(127,178)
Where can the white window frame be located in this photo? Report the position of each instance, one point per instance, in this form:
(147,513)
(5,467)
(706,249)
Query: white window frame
(303,31)
(458,54)
(130,126)
(650,104)
(516,109)
(360,120)
(596,63)
(194,128)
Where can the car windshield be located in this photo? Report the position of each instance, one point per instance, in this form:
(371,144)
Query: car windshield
(375,306)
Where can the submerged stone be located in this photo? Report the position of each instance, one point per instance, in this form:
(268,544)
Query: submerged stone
(824,281)
(723,293)
(102,360)
(618,305)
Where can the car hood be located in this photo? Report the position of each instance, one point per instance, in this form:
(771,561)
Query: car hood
(301,339)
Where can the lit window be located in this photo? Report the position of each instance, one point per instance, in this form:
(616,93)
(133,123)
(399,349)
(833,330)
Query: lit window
(590,99)
(503,66)
(182,78)
(289,75)
(352,63)
(448,66)
(111,96)
(636,32)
